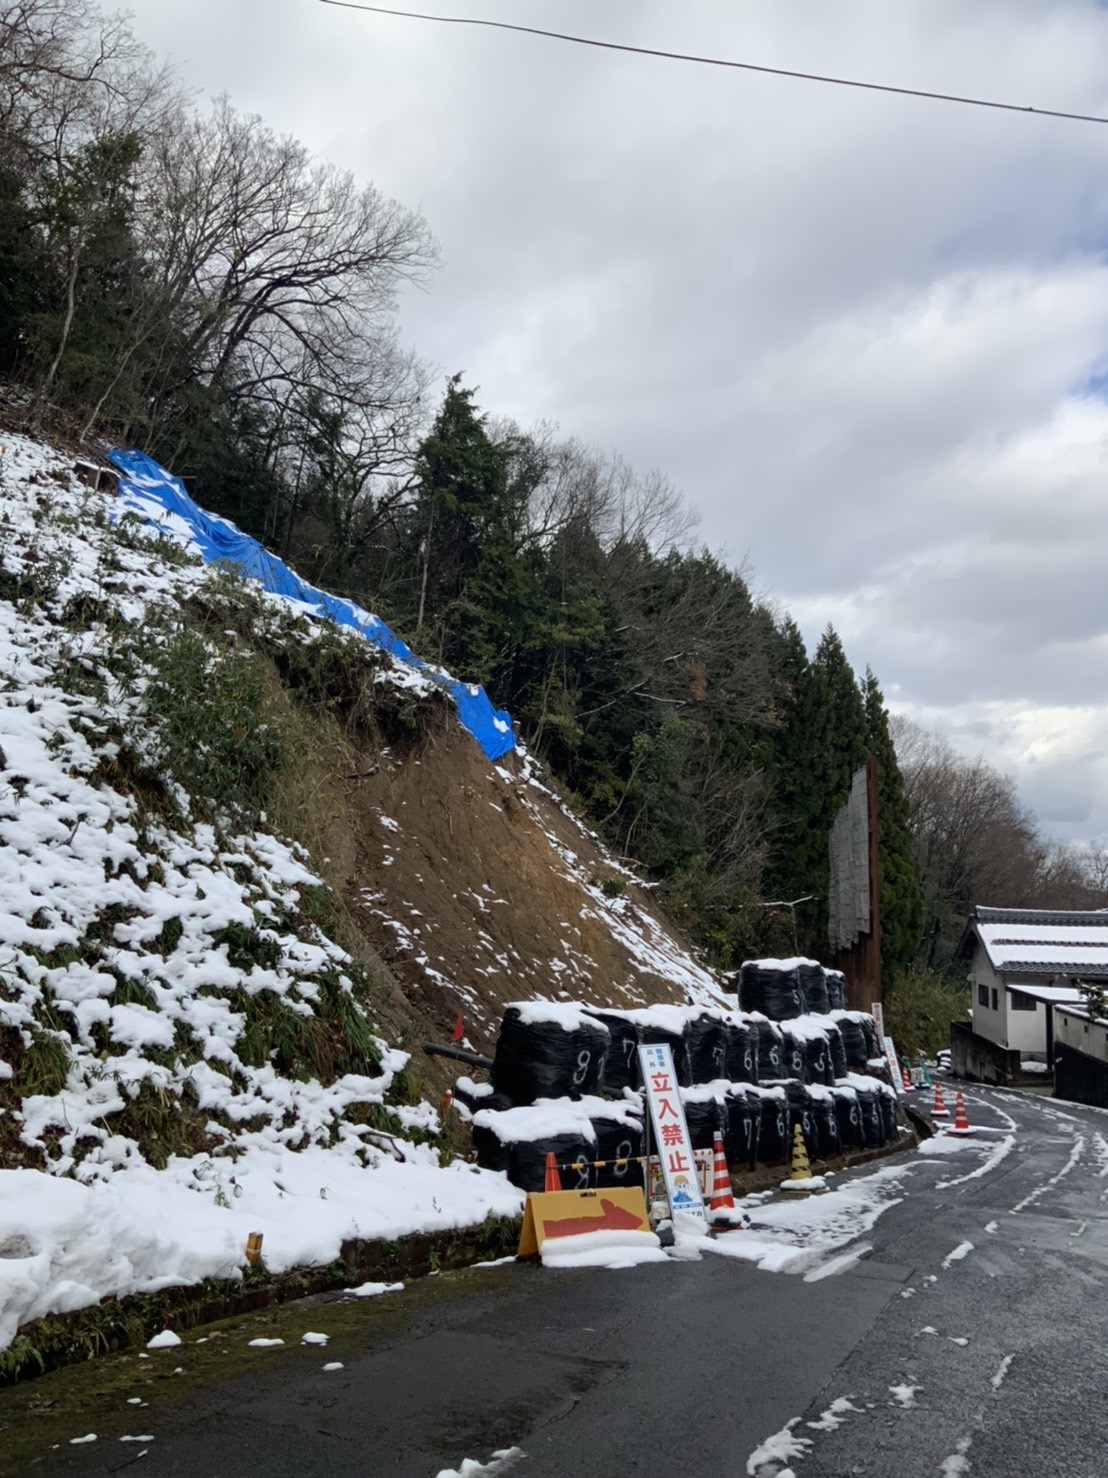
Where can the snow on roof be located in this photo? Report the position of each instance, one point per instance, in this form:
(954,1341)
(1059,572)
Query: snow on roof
(1050,994)
(1079,1009)
(1053,946)
(1066,917)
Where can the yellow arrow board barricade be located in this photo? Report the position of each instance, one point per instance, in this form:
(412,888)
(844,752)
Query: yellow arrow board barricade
(552,1214)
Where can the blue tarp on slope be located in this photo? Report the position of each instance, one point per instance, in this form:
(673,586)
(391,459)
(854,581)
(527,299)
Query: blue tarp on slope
(160,499)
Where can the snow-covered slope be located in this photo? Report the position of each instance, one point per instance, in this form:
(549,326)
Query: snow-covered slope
(186,1053)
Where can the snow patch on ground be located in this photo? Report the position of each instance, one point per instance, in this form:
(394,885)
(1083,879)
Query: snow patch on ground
(997,1379)
(164,1341)
(991,1161)
(834,1416)
(841,1264)
(1041,1190)
(958,1464)
(603,1250)
(145,1229)
(782,1447)
(501,1460)
(796,1236)
(962,1250)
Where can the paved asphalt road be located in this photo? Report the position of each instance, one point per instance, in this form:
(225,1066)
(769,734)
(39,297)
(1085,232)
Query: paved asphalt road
(968,1339)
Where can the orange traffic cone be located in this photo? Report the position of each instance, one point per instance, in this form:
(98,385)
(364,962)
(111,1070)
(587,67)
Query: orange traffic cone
(939,1109)
(961,1124)
(721,1206)
(553,1179)
(905,1078)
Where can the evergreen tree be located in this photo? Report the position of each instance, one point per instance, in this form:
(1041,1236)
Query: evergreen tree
(460,543)
(900,889)
(822,743)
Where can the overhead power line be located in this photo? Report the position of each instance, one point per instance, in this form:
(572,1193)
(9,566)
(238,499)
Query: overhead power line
(715,61)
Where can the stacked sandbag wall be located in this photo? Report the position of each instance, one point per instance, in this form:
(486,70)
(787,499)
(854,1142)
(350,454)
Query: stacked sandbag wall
(791,1056)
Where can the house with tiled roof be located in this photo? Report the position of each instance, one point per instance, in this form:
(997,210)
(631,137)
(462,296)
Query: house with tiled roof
(1024,962)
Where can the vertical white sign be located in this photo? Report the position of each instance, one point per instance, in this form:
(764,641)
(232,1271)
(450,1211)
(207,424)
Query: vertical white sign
(671,1132)
(894,1067)
(877,1011)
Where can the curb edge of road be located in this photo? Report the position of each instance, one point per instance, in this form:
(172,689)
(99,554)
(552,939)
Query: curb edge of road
(113,1324)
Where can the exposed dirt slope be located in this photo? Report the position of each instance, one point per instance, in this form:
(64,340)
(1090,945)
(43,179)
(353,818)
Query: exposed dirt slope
(477,887)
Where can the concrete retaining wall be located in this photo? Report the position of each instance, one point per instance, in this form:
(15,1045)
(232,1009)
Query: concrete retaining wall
(1079,1077)
(975,1057)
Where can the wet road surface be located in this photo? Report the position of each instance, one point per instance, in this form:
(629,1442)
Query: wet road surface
(960,1334)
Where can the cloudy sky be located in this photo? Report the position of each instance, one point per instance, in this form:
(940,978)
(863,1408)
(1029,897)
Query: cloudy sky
(866,335)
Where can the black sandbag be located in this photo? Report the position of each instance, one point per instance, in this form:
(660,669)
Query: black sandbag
(817,1060)
(706,1046)
(781,997)
(475,1096)
(705,1117)
(770,1049)
(836,990)
(665,1024)
(836,1051)
(750,986)
(573,1154)
(621,1061)
(773,1127)
(492,1152)
(792,1054)
(800,1112)
(873,1044)
(742,1052)
(744,1110)
(873,1128)
(825,1120)
(849,1115)
(538,1057)
(617,1139)
(812,979)
(887,1104)
(853,1038)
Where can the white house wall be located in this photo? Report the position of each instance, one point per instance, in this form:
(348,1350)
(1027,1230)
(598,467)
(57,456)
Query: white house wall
(1027,1029)
(1078,1032)
(987,1021)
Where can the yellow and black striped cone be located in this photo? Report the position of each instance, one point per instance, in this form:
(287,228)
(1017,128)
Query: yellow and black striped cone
(801,1170)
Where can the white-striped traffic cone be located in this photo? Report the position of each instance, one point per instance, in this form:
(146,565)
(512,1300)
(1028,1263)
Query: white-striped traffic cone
(721,1206)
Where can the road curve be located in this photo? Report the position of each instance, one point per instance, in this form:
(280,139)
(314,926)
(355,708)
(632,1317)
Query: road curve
(944,1318)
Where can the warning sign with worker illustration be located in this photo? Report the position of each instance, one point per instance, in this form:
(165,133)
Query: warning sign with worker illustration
(670,1131)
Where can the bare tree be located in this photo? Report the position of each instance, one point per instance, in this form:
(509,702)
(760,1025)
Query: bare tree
(570,486)
(975,842)
(64,67)
(282,269)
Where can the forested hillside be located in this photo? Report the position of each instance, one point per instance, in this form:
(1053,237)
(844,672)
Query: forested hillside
(180,279)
